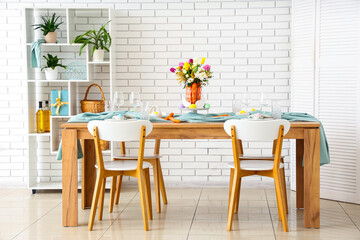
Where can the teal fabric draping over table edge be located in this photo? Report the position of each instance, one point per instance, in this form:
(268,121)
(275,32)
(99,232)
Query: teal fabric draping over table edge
(196,117)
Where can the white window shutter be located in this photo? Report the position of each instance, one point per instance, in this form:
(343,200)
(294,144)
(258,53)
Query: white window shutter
(336,94)
(338,102)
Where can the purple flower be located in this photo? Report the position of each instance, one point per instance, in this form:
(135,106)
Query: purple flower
(206,67)
(191,61)
(181,64)
(172,70)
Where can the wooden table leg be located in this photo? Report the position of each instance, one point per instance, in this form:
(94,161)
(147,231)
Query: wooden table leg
(69,178)
(299,173)
(312,178)
(88,173)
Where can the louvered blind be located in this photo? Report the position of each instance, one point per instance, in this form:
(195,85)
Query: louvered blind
(335,91)
(338,90)
(303,63)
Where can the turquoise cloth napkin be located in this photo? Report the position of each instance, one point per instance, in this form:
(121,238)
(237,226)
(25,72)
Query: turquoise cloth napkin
(36,53)
(196,117)
(79,151)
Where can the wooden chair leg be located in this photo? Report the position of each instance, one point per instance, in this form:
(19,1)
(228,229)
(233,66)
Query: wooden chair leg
(118,189)
(101,201)
(237,197)
(112,193)
(230,187)
(162,184)
(283,183)
(155,166)
(95,200)
(281,206)
(232,200)
(148,194)
(141,182)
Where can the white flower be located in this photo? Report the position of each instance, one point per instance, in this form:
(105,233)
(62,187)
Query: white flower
(187,75)
(196,61)
(184,71)
(190,80)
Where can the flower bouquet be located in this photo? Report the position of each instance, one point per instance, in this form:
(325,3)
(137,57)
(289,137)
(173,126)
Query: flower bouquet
(193,75)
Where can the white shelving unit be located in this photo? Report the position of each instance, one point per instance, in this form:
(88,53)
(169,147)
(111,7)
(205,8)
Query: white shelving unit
(43,147)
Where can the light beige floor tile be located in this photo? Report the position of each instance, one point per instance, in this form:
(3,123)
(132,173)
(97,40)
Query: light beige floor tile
(241,228)
(228,236)
(121,236)
(159,227)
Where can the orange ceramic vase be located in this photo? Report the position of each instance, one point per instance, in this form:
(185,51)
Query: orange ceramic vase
(193,93)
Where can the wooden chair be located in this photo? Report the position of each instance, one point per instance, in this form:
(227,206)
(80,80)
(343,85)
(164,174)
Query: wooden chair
(121,131)
(250,130)
(159,185)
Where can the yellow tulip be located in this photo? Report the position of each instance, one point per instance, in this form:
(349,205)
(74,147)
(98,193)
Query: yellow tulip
(203,61)
(186,66)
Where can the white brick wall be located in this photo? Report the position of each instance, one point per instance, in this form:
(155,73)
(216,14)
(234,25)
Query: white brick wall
(247,43)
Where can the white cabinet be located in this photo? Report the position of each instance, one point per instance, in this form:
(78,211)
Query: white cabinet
(326,83)
(43,168)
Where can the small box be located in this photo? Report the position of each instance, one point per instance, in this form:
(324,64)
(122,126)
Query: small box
(59,103)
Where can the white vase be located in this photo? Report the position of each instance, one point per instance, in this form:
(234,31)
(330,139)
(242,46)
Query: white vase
(98,55)
(51,74)
(50,37)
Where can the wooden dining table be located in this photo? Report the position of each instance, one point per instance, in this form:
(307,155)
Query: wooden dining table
(307,135)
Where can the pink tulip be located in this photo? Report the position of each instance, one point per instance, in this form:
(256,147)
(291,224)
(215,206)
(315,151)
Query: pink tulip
(206,67)
(172,70)
(191,60)
(181,64)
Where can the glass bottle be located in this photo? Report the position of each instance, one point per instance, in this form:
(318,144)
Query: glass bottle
(47,114)
(40,121)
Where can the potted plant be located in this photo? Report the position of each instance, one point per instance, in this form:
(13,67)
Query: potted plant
(51,68)
(49,26)
(101,40)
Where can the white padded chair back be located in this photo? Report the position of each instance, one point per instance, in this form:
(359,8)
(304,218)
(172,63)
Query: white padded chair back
(256,130)
(120,130)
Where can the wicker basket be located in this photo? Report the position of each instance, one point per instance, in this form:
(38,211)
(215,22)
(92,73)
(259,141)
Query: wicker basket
(93,106)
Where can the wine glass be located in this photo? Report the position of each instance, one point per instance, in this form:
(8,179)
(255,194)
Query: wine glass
(118,100)
(246,100)
(264,100)
(135,100)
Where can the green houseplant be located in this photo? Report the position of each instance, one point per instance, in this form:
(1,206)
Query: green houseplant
(100,40)
(52,67)
(48,27)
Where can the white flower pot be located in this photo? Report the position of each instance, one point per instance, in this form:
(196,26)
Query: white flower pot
(51,74)
(98,55)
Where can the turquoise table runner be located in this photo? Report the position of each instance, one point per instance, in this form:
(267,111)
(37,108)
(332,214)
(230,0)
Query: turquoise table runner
(196,117)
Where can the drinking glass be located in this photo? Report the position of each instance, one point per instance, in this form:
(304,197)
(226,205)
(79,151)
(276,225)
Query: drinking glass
(144,110)
(118,100)
(264,100)
(107,105)
(236,106)
(135,100)
(246,100)
(276,109)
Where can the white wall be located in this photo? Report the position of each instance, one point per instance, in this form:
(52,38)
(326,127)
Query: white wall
(246,42)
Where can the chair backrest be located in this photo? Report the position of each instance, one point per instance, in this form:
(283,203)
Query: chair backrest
(253,130)
(256,130)
(120,130)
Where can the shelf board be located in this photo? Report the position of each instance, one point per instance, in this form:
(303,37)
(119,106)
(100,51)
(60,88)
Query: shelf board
(104,62)
(39,134)
(57,44)
(60,116)
(59,80)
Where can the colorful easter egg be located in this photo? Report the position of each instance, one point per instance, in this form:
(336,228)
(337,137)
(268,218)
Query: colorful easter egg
(192,106)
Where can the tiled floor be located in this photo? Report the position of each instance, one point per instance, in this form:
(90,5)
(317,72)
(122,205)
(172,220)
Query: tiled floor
(193,214)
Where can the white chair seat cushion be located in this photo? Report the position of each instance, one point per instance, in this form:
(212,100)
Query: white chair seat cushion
(266,157)
(124,165)
(136,157)
(256,165)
